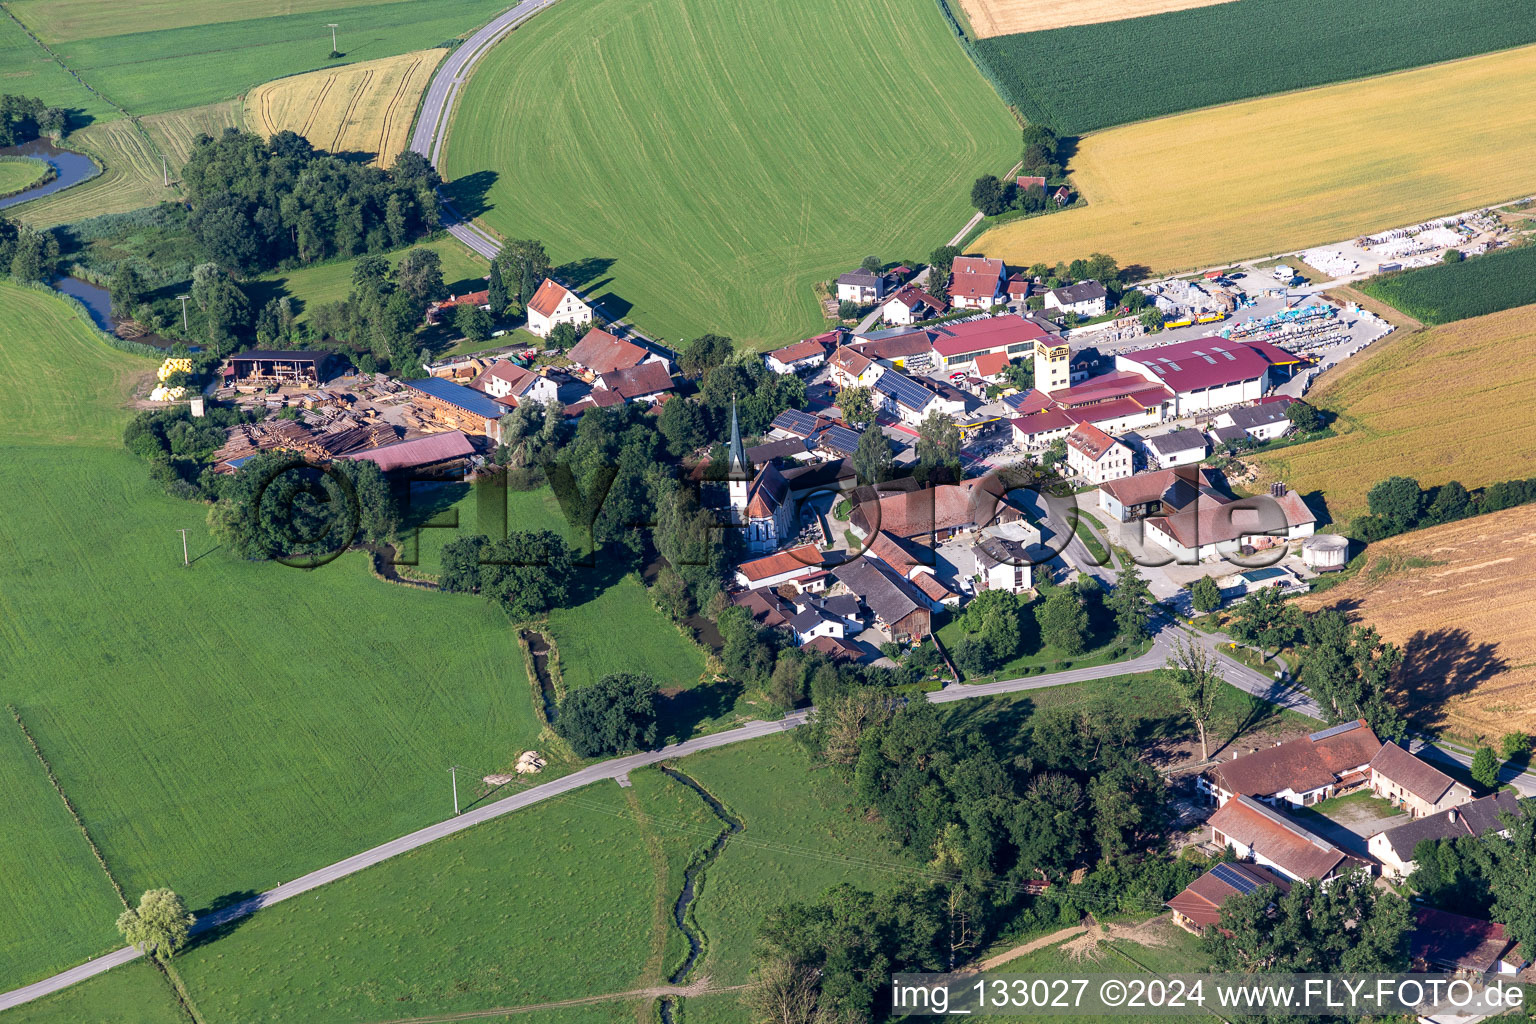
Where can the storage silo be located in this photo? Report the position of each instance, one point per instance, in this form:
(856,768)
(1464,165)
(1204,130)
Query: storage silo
(1325,552)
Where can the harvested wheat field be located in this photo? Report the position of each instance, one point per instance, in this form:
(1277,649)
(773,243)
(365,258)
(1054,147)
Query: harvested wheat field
(1458,599)
(1007,17)
(1285,172)
(1448,403)
(366,107)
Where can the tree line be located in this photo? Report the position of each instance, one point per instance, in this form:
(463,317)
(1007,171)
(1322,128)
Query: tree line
(24,118)
(1399,504)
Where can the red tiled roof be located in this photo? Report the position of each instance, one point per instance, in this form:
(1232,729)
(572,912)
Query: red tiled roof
(1043,421)
(1091,441)
(911,296)
(638,381)
(467,299)
(1210,362)
(930,585)
(1029,180)
(945,507)
(1424,781)
(852,361)
(1202,901)
(835,648)
(975,277)
(799,350)
(1276,838)
(899,553)
(1246,517)
(548,297)
(601,352)
(1142,488)
(1302,764)
(990,364)
(805,557)
(420,451)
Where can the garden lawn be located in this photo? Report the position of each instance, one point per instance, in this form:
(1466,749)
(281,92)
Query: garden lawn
(1087,77)
(222,727)
(132,994)
(556,901)
(1292,171)
(799,840)
(712,161)
(169,68)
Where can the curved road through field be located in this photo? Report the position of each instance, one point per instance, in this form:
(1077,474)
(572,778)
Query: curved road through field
(1244,678)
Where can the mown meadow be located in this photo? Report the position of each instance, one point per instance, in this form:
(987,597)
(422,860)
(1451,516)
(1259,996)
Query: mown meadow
(712,161)
(1087,77)
(1455,291)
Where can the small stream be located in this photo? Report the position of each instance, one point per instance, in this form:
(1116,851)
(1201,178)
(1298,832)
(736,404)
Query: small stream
(71,167)
(691,876)
(538,647)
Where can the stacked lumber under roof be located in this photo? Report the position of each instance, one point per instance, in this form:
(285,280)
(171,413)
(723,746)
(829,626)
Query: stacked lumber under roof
(247,439)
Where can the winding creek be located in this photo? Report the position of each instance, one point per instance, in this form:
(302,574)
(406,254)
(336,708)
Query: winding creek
(538,647)
(691,878)
(71,168)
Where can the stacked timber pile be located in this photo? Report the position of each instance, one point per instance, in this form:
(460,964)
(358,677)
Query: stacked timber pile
(246,439)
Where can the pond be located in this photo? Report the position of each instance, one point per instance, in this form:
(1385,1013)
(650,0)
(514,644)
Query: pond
(98,302)
(72,168)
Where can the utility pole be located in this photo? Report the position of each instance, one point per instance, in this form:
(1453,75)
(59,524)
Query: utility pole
(332,26)
(184,548)
(454,771)
(184,299)
(165,171)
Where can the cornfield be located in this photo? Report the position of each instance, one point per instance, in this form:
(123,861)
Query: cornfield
(1455,291)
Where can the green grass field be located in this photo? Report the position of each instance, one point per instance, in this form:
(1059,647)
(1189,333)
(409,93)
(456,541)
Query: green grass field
(332,282)
(712,161)
(132,994)
(1445,292)
(19,173)
(618,630)
(171,68)
(27,70)
(224,727)
(1131,70)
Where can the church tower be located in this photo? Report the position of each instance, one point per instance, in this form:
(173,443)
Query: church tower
(737,470)
(1053,365)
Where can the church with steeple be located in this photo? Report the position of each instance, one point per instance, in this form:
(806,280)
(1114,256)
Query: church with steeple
(757,502)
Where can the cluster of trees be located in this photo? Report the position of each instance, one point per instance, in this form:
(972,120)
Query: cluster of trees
(615,715)
(1042,159)
(1492,877)
(177,447)
(1346,668)
(997,630)
(1399,504)
(516,273)
(1348,925)
(278,506)
(989,813)
(258,204)
(26,254)
(526,573)
(722,376)
(24,118)
(380,316)
(1486,762)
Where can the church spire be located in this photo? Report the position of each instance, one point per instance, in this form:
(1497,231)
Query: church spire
(738,461)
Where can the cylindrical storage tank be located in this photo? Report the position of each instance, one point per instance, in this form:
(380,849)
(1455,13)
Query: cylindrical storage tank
(1325,552)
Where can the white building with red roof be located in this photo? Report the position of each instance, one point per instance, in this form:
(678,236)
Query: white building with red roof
(802,355)
(555,304)
(977,282)
(781,567)
(851,368)
(507,382)
(1211,373)
(911,304)
(1096,456)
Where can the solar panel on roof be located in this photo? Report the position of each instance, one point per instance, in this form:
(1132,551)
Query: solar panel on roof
(840,438)
(1236,879)
(906,391)
(1337,730)
(796,422)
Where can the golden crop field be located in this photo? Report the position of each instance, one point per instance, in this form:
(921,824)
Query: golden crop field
(1285,172)
(175,131)
(1005,17)
(364,107)
(1448,403)
(1458,599)
(58,20)
(131,177)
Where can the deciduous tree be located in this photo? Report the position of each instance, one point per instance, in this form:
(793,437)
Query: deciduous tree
(1197,683)
(159,926)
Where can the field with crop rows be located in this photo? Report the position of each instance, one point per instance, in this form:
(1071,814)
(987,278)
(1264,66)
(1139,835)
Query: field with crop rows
(1089,77)
(1006,17)
(164,69)
(209,743)
(1403,406)
(1459,600)
(710,163)
(360,108)
(131,177)
(1455,291)
(59,20)
(176,131)
(1285,172)
(27,70)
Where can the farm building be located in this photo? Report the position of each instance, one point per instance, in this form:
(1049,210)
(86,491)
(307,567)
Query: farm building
(1096,456)
(1418,788)
(1467,946)
(909,305)
(261,366)
(554,304)
(1394,847)
(898,607)
(1198,907)
(1213,529)
(1086,298)
(647,382)
(781,567)
(1175,448)
(455,405)
(1325,552)
(938,512)
(1299,772)
(977,282)
(435,451)
(1263,422)
(1273,840)
(438,310)
(1207,374)
(1162,492)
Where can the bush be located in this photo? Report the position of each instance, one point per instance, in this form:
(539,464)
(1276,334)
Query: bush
(1205,595)
(1513,744)
(615,715)
(1485,767)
